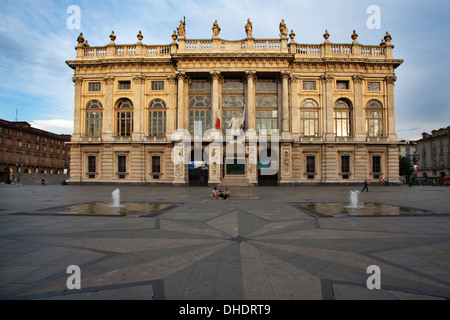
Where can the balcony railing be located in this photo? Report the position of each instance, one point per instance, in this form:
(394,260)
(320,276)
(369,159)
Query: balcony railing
(249,45)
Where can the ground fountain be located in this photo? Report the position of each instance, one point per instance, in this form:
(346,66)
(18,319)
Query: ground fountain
(354,208)
(116,208)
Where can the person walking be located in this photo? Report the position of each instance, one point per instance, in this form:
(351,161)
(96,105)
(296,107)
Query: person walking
(366,186)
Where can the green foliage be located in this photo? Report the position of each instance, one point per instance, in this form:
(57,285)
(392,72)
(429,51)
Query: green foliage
(405,166)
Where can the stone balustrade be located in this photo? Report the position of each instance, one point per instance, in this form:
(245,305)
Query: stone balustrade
(249,45)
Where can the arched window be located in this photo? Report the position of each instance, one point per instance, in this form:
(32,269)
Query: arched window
(157,118)
(232,100)
(374,118)
(342,118)
(199,106)
(94,118)
(124,111)
(309,118)
(266,104)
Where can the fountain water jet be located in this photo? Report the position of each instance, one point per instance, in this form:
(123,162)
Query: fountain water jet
(353,195)
(116,198)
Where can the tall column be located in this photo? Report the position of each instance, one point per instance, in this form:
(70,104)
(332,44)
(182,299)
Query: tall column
(327,107)
(358,108)
(78,82)
(390,117)
(251,101)
(181,108)
(139,108)
(108,110)
(215,76)
(285,101)
(294,103)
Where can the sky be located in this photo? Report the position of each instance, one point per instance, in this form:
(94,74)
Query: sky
(37,37)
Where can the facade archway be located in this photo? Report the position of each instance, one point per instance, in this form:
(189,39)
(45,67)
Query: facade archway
(268,164)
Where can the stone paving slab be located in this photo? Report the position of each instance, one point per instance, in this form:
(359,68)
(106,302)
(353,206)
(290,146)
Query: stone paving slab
(237,249)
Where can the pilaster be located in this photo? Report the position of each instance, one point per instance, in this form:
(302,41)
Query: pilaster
(78,82)
(251,100)
(327,102)
(108,113)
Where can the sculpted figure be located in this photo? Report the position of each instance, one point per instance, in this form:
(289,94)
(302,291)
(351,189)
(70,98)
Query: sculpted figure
(182,28)
(249,28)
(283,29)
(235,124)
(215,29)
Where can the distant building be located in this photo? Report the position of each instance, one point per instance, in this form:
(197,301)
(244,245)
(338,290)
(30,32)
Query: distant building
(407,149)
(433,152)
(28,150)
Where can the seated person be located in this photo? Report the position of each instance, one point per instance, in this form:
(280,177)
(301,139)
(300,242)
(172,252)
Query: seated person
(221,195)
(227,194)
(214,193)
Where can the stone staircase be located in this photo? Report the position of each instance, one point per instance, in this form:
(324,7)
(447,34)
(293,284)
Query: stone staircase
(239,187)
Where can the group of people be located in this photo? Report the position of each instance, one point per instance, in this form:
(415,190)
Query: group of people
(384,182)
(220,194)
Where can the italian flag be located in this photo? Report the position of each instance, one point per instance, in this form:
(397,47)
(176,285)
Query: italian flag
(218,118)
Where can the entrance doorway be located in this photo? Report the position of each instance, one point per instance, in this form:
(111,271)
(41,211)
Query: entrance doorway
(268,169)
(198,169)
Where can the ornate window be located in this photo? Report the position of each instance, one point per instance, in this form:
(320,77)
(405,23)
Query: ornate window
(199,106)
(157,118)
(232,100)
(342,118)
(94,118)
(124,112)
(309,118)
(374,118)
(266,105)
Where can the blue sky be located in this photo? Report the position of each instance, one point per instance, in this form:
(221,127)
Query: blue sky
(35,42)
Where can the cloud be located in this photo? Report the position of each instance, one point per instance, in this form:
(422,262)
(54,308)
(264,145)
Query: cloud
(58,126)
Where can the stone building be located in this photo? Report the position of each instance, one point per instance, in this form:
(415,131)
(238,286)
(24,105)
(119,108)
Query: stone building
(26,151)
(306,113)
(433,154)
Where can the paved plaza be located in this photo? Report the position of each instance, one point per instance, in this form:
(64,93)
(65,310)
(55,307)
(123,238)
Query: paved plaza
(260,248)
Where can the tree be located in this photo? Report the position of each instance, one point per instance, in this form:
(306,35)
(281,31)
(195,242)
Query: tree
(405,166)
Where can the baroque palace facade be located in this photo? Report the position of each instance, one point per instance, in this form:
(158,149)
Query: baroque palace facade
(326,111)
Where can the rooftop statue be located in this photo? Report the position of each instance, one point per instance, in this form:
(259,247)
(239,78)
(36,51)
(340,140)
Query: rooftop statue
(182,28)
(215,29)
(283,29)
(249,29)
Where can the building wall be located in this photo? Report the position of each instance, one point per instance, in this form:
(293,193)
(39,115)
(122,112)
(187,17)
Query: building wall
(24,149)
(316,76)
(433,151)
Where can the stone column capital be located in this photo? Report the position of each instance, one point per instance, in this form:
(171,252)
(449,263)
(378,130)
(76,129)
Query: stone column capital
(77,81)
(109,80)
(358,78)
(327,78)
(391,79)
